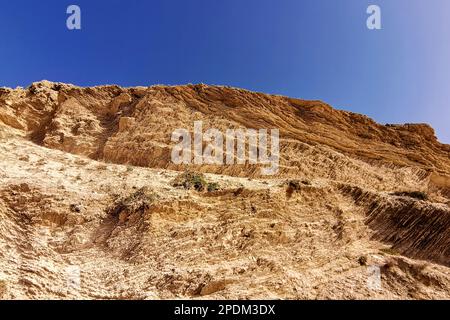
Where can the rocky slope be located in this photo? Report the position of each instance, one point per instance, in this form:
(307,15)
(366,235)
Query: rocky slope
(88,207)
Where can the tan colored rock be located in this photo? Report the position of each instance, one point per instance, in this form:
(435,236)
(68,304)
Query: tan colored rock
(214,286)
(117,103)
(3,289)
(87,197)
(125,123)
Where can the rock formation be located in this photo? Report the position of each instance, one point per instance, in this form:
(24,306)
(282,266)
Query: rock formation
(89,208)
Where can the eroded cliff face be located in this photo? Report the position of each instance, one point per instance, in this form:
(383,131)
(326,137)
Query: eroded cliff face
(134,126)
(86,181)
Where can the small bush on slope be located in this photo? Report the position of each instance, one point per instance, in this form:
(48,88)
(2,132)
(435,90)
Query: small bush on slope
(197,181)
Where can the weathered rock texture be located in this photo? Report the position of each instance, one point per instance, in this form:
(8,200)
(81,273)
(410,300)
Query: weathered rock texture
(86,184)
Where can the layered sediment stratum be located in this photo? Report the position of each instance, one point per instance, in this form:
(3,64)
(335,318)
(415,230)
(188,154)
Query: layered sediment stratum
(92,205)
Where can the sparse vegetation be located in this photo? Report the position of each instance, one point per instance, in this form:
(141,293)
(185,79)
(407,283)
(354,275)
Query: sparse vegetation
(213,186)
(197,181)
(137,201)
(419,195)
(189,180)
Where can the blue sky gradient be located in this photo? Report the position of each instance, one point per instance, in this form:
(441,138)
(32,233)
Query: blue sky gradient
(311,49)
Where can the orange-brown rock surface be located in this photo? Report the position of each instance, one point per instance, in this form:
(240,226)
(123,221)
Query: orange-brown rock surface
(86,184)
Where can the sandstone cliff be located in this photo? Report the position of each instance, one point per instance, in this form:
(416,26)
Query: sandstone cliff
(86,180)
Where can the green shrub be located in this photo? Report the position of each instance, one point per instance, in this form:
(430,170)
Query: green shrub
(189,180)
(197,181)
(213,186)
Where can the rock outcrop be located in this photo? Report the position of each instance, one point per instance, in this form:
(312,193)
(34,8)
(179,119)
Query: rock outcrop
(89,208)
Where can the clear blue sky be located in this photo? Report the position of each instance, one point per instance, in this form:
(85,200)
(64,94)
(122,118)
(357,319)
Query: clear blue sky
(312,49)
